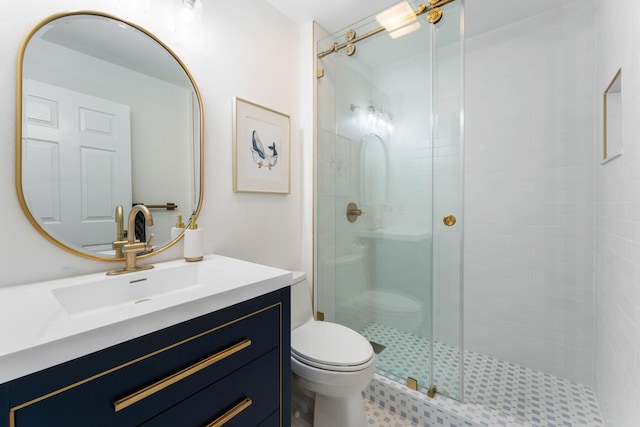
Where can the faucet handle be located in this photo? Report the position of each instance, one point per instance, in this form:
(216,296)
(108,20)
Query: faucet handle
(118,244)
(148,243)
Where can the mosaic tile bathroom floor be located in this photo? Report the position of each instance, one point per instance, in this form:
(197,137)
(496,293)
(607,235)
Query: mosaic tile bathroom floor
(406,355)
(383,417)
(535,398)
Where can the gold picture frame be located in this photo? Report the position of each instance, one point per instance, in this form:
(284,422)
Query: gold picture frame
(261,149)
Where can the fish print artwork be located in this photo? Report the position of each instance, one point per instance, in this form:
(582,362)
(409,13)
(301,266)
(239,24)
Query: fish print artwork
(261,157)
(261,149)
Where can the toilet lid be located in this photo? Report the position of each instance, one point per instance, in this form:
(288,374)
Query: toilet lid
(389,301)
(331,346)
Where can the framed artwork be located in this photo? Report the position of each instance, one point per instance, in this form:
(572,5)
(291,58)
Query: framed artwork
(261,149)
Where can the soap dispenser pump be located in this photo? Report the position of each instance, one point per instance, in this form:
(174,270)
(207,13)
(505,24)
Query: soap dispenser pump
(193,242)
(179,228)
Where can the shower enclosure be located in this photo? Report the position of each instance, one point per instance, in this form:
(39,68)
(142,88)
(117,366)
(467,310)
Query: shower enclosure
(389,190)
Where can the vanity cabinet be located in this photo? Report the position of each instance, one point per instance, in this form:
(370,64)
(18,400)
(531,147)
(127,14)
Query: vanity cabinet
(231,366)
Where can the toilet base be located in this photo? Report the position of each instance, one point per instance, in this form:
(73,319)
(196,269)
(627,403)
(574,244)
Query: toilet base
(343,411)
(302,404)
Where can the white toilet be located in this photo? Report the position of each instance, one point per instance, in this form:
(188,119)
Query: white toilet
(332,361)
(361,305)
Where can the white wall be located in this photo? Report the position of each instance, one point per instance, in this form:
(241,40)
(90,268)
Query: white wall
(244,48)
(529,191)
(617,358)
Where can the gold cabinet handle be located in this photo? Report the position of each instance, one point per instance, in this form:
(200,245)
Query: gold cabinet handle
(231,413)
(178,376)
(449,220)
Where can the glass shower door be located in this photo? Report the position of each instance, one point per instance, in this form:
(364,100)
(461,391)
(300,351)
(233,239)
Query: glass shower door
(447,100)
(384,171)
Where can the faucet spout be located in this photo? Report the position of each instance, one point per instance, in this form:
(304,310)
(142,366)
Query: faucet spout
(131,221)
(133,246)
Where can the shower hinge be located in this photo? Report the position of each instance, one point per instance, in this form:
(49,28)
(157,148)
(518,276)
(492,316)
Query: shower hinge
(319,316)
(432,391)
(319,73)
(412,383)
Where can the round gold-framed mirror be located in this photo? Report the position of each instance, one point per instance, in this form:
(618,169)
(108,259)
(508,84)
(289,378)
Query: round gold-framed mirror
(107,115)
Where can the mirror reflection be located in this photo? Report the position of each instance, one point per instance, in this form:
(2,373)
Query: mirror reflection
(109,117)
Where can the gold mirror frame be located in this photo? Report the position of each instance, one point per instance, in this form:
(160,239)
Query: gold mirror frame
(18,159)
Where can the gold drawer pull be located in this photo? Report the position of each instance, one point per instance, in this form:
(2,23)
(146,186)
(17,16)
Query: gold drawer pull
(227,416)
(178,376)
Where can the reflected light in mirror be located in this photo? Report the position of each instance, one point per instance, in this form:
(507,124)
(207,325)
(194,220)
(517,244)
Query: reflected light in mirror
(399,20)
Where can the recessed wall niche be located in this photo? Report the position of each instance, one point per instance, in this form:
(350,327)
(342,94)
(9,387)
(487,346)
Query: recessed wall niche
(612,109)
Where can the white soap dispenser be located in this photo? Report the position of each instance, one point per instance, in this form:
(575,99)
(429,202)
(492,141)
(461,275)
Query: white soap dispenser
(193,242)
(179,228)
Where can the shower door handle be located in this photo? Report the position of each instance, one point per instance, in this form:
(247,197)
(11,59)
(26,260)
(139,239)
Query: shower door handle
(449,220)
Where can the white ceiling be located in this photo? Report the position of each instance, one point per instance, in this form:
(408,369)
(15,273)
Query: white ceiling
(480,15)
(332,15)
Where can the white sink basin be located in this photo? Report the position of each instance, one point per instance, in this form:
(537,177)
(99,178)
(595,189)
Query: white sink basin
(71,317)
(112,292)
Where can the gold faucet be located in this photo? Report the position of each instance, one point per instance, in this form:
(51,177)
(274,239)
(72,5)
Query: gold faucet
(132,246)
(119,242)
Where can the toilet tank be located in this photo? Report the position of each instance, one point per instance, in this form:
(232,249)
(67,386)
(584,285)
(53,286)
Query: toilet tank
(301,308)
(351,276)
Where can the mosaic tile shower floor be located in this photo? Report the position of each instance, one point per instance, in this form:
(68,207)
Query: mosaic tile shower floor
(496,391)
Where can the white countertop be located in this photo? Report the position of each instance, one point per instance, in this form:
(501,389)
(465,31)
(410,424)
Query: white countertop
(37,331)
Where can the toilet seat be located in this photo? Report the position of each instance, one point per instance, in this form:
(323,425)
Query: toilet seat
(330,346)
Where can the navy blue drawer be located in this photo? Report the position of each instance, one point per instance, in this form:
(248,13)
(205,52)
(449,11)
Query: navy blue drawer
(245,397)
(83,391)
(274,420)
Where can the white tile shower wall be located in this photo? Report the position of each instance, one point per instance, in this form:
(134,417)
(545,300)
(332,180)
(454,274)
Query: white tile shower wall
(404,263)
(617,359)
(409,81)
(447,195)
(529,201)
(346,82)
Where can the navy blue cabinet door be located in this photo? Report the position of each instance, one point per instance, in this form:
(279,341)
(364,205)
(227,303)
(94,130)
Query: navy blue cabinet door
(82,392)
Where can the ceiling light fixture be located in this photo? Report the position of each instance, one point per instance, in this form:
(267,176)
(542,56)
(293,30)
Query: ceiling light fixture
(399,20)
(188,15)
(373,119)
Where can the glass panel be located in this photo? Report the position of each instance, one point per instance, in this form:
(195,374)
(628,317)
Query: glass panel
(326,171)
(447,200)
(376,149)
